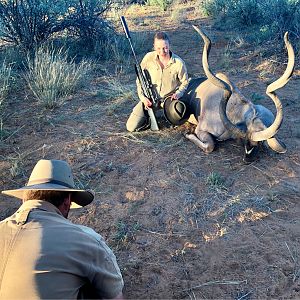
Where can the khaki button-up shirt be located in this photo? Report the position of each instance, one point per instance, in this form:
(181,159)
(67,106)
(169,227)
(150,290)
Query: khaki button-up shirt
(173,77)
(43,255)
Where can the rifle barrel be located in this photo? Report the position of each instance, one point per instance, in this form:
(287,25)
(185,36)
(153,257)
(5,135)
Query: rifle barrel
(123,21)
(126,30)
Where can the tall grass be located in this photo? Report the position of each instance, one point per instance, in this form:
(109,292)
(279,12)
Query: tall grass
(117,93)
(178,13)
(5,79)
(52,76)
(5,76)
(118,50)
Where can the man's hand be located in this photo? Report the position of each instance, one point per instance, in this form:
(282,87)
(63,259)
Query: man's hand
(147,103)
(174,97)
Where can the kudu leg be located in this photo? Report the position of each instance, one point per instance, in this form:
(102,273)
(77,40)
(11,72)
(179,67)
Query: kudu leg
(202,139)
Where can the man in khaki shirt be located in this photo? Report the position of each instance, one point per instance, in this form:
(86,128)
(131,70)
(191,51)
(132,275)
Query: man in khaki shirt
(168,76)
(45,256)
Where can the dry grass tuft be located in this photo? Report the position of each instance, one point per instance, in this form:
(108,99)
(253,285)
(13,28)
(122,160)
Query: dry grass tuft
(115,93)
(51,76)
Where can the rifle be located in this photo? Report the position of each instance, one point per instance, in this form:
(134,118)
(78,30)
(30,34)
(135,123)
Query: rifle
(144,79)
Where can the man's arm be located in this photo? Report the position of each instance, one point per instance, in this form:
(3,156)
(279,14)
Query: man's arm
(141,95)
(104,273)
(183,79)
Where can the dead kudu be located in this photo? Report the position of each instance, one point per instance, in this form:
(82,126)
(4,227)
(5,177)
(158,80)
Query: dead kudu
(221,112)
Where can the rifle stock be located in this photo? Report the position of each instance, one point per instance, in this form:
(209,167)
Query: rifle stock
(144,79)
(153,122)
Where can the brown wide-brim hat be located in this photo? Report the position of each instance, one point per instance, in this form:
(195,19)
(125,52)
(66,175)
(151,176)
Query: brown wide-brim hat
(53,175)
(176,111)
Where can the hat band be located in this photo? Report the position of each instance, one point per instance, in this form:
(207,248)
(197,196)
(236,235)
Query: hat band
(40,181)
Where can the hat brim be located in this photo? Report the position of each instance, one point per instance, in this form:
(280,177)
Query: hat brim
(168,107)
(80,197)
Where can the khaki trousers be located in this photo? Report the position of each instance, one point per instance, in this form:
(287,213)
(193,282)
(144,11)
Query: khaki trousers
(138,118)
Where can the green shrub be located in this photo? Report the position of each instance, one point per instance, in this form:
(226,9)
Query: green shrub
(214,179)
(125,233)
(163,4)
(214,8)
(269,19)
(29,23)
(236,12)
(51,76)
(280,16)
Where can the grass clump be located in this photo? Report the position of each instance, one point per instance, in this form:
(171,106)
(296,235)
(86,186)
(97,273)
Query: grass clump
(215,180)
(125,232)
(52,76)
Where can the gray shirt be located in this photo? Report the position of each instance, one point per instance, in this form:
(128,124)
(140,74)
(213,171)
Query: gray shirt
(43,255)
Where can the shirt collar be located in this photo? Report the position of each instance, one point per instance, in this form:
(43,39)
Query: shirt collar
(39,204)
(172,57)
(171,61)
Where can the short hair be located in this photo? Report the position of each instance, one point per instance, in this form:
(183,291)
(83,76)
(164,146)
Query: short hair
(54,197)
(161,36)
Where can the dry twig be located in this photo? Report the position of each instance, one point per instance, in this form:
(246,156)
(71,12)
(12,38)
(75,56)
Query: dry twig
(220,282)
(163,234)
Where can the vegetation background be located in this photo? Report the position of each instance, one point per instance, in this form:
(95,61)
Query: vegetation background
(181,223)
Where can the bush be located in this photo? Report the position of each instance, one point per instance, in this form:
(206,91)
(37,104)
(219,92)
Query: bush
(163,4)
(214,8)
(269,18)
(281,16)
(51,77)
(238,12)
(29,23)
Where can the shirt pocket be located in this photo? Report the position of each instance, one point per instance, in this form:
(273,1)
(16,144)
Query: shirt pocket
(172,76)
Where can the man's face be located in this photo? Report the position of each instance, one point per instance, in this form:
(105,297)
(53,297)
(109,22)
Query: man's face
(65,206)
(162,48)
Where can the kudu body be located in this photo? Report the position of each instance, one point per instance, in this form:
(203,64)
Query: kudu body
(221,112)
